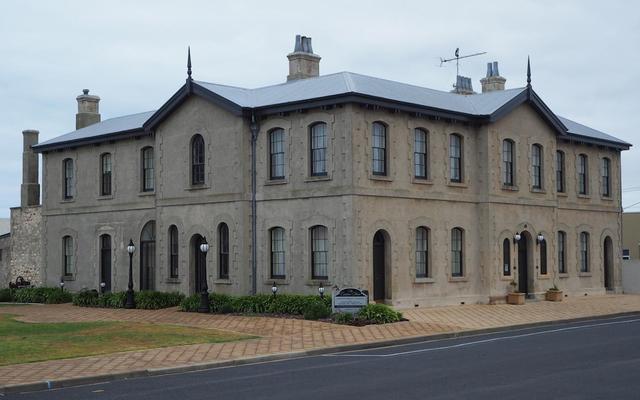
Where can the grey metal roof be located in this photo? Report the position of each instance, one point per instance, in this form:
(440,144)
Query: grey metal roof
(328,86)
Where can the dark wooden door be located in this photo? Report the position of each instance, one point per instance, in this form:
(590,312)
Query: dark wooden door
(523,267)
(608,284)
(378,267)
(199,260)
(105,262)
(147,260)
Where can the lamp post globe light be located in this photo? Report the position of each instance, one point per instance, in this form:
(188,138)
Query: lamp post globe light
(102,286)
(274,289)
(540,238)
(516,238)
(131,302)
(204,294)
(321,290)
(61,284)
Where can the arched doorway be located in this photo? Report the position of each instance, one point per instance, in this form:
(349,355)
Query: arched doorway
(197,263)
(148,256)
(105,262)
(608,263)
(380,265)
(525,267)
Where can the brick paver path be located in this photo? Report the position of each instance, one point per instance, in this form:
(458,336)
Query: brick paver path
(279,335)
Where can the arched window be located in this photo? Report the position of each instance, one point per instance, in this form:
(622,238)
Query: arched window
(422,252)
(148,256)
(148,177)
(173,251)
(457,252)
(277,253)
(420,154)
(506,257)
(536,166)
(543,257)
(67,255)
(606,177)
(584,252)
(105,174)
(507,162)
(583,174)
(318,156)
(276,154)
(562,254)
(105,262)
(197,160)
(379,149)
(560,174)
(69,182)
(455,158)
(223,257)
(319,253)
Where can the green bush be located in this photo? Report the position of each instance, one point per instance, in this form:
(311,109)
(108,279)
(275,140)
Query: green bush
(6,295)
(190,304)
(86,298)
(220,303)
(41,295)
(316,310)
(342,318)
(149,300)
(379,314)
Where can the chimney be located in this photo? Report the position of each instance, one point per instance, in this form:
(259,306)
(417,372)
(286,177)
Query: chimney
(302,62)
(30,188)
(493,80)
(463,85)
(88,111)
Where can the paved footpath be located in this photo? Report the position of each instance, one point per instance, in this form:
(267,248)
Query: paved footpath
(280,335)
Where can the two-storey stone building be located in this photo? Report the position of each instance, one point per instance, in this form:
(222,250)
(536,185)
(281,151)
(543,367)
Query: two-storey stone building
(420,196)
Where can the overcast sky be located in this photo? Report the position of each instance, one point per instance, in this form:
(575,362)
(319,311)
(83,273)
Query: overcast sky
(584,56)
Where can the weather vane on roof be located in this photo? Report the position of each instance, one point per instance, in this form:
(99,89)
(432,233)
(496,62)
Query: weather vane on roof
(458,57)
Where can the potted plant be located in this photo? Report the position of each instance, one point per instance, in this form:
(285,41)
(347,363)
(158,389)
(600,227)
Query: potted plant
(514,296)
(553,294)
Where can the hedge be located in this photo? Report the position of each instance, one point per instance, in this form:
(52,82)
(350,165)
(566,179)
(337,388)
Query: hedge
(146,300)
(47,295)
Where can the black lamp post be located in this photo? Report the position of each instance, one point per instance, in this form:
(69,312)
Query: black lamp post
(274,289)
(61,284)
(102,286)
(131,302)
(204,294)
(321,290)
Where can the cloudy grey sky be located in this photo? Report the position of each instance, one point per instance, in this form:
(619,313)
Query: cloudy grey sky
(584,56)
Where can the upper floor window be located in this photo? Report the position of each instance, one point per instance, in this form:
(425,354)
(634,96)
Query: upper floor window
(560,174)
(506,257)
(105,175)
(420,154)
(456,252)
(606,177)
(584,252)
(69,182)
(223,250)
(173,251)
(379,149)
(507,162)
(562,255)
(318,149)
(148,177)
(543,256)
(276,154)
(277,253)
(67,255)
(455,158)
(197,160)
(536,166)
(422,252)
(583,174)
(319,252)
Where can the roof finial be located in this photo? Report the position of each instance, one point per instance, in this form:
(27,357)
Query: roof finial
(528,72)
(189,62)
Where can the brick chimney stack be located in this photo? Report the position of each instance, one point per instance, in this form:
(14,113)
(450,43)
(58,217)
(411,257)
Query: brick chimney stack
(302,62)
(493,81)
(30,188)
(88,109)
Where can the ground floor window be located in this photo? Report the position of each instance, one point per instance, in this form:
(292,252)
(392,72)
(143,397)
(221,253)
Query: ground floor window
(456,252)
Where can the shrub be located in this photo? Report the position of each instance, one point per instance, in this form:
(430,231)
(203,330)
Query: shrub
(149,300)
(190,304)
(342,318)
(316,310)
(6,295)
(379,314)
(86,298)
(41,295)
(220,303)
(112,300)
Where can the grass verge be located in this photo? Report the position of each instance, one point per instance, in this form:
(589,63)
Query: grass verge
(28,342)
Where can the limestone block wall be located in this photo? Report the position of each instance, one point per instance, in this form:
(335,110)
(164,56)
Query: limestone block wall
(5,256)
(26,245)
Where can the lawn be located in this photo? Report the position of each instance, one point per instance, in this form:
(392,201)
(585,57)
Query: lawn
(22,342)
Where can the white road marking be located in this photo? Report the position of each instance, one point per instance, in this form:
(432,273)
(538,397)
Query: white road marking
(476,342)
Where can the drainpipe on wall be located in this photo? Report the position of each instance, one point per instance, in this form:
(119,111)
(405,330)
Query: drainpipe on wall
(255,128)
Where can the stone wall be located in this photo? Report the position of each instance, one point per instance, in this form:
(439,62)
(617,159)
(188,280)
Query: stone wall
(5,255)
(26,245)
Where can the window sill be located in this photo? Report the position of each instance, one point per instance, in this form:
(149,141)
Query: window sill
(422,181)
(222,282)
(71,200)
(457,184)
(318,178)
(276,182)
(278,281)
(68,278)
(105,197)
(585,274)
(458,279)
(506,278)
(543,276)
(384,178)
(606,198)
(563,275)
(584,196)
(146,194)
(197,187)
(510,188)
(424,280)
(317,282)
(562,194)
(538,190)
(173,281)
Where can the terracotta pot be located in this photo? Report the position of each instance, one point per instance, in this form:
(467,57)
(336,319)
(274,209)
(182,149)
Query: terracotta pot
(515,298)
(553,295)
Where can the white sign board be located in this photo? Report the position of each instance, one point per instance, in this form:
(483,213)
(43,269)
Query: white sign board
(349,300)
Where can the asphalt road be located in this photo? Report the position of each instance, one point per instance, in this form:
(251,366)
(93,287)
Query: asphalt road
(597,359)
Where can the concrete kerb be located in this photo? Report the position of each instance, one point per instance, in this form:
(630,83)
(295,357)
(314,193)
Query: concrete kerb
(97,379)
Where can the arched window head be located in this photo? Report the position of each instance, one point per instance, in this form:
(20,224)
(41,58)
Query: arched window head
(318,149)
(277,253)
(197,160)
(379,149)
(422,252)
(223,251)
(276,154)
